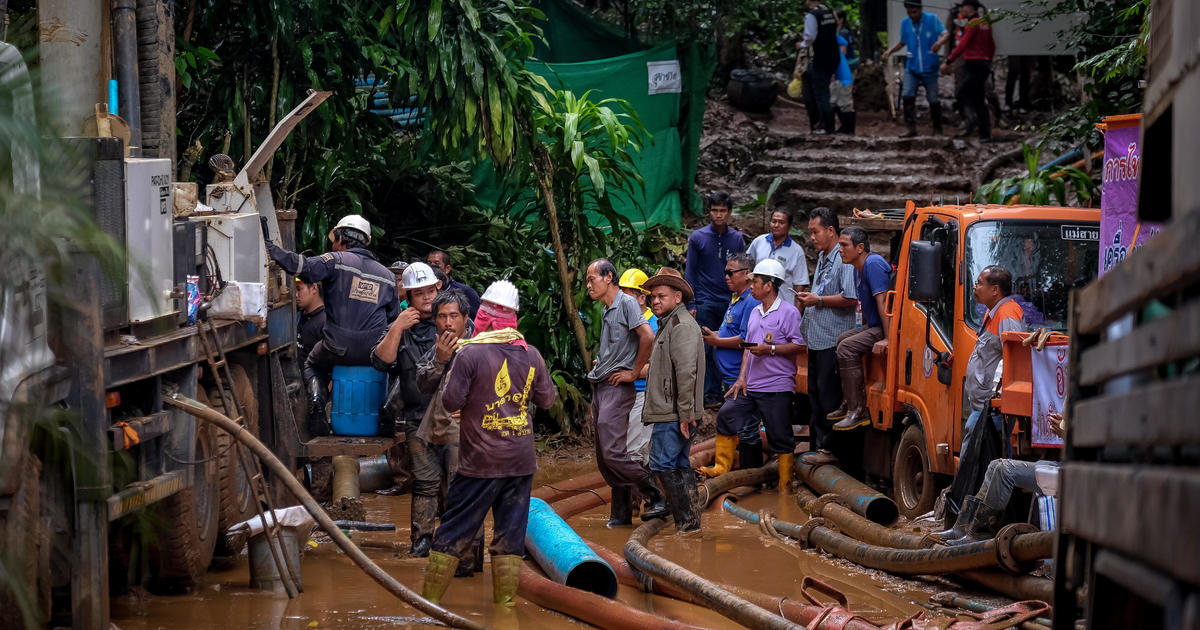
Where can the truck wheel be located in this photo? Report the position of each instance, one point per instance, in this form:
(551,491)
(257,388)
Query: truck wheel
(22,524)
(913,485)
(237,500)
(182,549)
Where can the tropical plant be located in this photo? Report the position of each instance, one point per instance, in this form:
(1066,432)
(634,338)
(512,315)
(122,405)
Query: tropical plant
(762,200)
(1037,185)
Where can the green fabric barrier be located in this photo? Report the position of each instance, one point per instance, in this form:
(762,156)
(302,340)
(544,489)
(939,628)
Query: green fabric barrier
(586,54)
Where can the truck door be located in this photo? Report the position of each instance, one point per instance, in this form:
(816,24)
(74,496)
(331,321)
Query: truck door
(927,354)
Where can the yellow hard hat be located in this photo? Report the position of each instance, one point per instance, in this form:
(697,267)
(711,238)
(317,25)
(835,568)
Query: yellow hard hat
(633,279)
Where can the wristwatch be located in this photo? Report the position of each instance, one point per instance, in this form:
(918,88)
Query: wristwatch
(820,301)
(772,349)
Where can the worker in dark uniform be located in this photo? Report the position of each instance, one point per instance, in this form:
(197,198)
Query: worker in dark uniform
(360,300)
(820,32)
(310,326)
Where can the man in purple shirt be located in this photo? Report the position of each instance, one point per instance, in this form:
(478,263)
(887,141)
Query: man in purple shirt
(767,382)
(708,250)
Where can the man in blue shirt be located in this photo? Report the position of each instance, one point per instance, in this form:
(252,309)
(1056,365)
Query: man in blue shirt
(727,351)
(872,275)
(708,249)
(923,33)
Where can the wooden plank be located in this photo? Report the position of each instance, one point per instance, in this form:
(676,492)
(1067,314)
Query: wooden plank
(331,445)
(1170,338)
(1159,414)
(1148,512)
(1166,263)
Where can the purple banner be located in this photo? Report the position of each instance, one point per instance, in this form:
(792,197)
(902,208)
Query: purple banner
(1120,231)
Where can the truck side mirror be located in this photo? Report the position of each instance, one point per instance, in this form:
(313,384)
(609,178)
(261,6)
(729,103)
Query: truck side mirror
(924,271)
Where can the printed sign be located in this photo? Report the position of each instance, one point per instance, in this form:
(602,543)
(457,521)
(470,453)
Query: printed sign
(1079,233)
(664,77)
(1049,390)
(1120,230)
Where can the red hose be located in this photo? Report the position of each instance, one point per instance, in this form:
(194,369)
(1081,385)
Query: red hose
(594,609)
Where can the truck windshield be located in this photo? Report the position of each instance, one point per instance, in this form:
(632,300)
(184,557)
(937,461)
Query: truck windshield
(1046,260)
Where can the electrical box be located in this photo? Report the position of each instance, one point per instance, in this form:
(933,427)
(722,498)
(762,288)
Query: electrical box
(149,237)
(237,246)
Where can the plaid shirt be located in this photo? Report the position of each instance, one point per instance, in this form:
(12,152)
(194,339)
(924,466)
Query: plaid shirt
(822,325)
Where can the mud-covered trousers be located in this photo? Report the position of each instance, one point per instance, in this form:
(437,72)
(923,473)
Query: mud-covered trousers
(610,407)
(467,505)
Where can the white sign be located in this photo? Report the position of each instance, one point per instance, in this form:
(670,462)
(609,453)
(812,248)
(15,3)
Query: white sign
(1049,389)
(664,77)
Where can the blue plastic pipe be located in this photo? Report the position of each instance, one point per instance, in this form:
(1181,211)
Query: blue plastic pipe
(563,555)
(112,96)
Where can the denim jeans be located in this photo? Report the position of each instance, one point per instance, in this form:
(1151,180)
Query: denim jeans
(1005,475)
(927,79)
(668,448)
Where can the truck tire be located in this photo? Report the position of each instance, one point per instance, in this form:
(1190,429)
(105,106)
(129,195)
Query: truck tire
(182,548)
(913,485)
(237,500)
(22,556)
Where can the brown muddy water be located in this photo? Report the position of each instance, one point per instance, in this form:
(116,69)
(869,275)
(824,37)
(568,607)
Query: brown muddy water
(338,595)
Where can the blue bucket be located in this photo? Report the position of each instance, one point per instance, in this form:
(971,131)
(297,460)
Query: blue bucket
(358,393)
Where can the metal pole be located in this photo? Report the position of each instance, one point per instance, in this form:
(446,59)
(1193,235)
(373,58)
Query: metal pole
(124,29)
(70,60)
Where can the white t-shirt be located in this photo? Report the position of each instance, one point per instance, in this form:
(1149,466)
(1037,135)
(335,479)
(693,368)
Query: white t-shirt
(790,255)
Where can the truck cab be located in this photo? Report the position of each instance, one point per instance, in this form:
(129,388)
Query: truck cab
(915,390)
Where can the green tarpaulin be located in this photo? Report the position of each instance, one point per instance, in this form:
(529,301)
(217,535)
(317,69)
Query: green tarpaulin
(664,83)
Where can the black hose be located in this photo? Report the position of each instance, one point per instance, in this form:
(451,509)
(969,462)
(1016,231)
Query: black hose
(859,497)
(124,33)
(364,526)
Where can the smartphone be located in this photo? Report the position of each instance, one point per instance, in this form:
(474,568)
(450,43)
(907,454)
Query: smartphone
(746,344)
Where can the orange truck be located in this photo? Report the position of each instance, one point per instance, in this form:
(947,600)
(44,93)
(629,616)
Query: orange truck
(915,390)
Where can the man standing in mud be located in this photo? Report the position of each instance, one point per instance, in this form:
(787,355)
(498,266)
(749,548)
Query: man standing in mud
(494,378)
(625,342)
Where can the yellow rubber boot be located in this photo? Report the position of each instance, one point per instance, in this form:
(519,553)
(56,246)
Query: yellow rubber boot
(785,471)
(438,574)
(726,445)
(506,572)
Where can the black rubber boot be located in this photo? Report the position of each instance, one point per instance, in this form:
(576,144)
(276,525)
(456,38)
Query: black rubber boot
(621,508)
(424,516)
(848,119)
(318,396)
(982,526)
(683,508)
(656,503)
(910,117)
(959,529)
(750,455)
(935,115)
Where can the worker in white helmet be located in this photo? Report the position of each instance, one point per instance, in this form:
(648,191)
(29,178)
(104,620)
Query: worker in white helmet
(360,299)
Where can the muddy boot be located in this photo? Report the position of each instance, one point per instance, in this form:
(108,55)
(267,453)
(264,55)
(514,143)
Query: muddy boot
(438,573)
(959,529)
(656,503)
(724,457)
(318,396)
(852,388)
(506,571)
(749,455)
(984,524)
(683,509)
(935,115)
(910,117)
(785,471)
(424,515)
(471,562)
(848,119)
(819,457)
(621,508)
(839,413)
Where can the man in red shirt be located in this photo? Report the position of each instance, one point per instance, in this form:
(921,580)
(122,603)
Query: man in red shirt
(977,48)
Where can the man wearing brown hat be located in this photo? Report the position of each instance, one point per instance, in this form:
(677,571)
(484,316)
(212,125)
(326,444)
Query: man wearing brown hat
(674,394)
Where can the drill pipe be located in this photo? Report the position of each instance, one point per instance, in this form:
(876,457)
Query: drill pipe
(859,497)
(289,481)
(979,555)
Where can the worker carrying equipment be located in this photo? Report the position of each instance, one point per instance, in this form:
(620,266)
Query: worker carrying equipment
(360,300)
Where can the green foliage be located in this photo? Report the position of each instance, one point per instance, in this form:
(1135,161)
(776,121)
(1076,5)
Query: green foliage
(762,200)
(1036,187)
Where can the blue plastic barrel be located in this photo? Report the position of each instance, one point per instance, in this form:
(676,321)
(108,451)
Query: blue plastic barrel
(358,393)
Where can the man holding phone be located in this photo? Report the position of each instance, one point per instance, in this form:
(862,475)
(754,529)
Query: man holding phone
(726,343)
(767,381)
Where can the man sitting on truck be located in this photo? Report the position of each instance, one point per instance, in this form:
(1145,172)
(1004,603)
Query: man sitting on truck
(360,300)
(993,289)
(871,276)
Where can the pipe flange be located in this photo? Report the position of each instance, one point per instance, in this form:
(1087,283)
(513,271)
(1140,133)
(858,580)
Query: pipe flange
(1004,543)
(807,528)
(818,506)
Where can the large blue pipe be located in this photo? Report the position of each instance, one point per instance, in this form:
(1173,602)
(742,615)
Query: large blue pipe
(563,555)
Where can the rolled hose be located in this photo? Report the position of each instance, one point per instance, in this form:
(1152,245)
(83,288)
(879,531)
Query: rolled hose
(979,555)
(731,606)
(285,477)
(859,497)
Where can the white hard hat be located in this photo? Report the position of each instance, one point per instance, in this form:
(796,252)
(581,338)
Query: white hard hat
(769,267)
(417,275)
(502,293)
(354,222)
